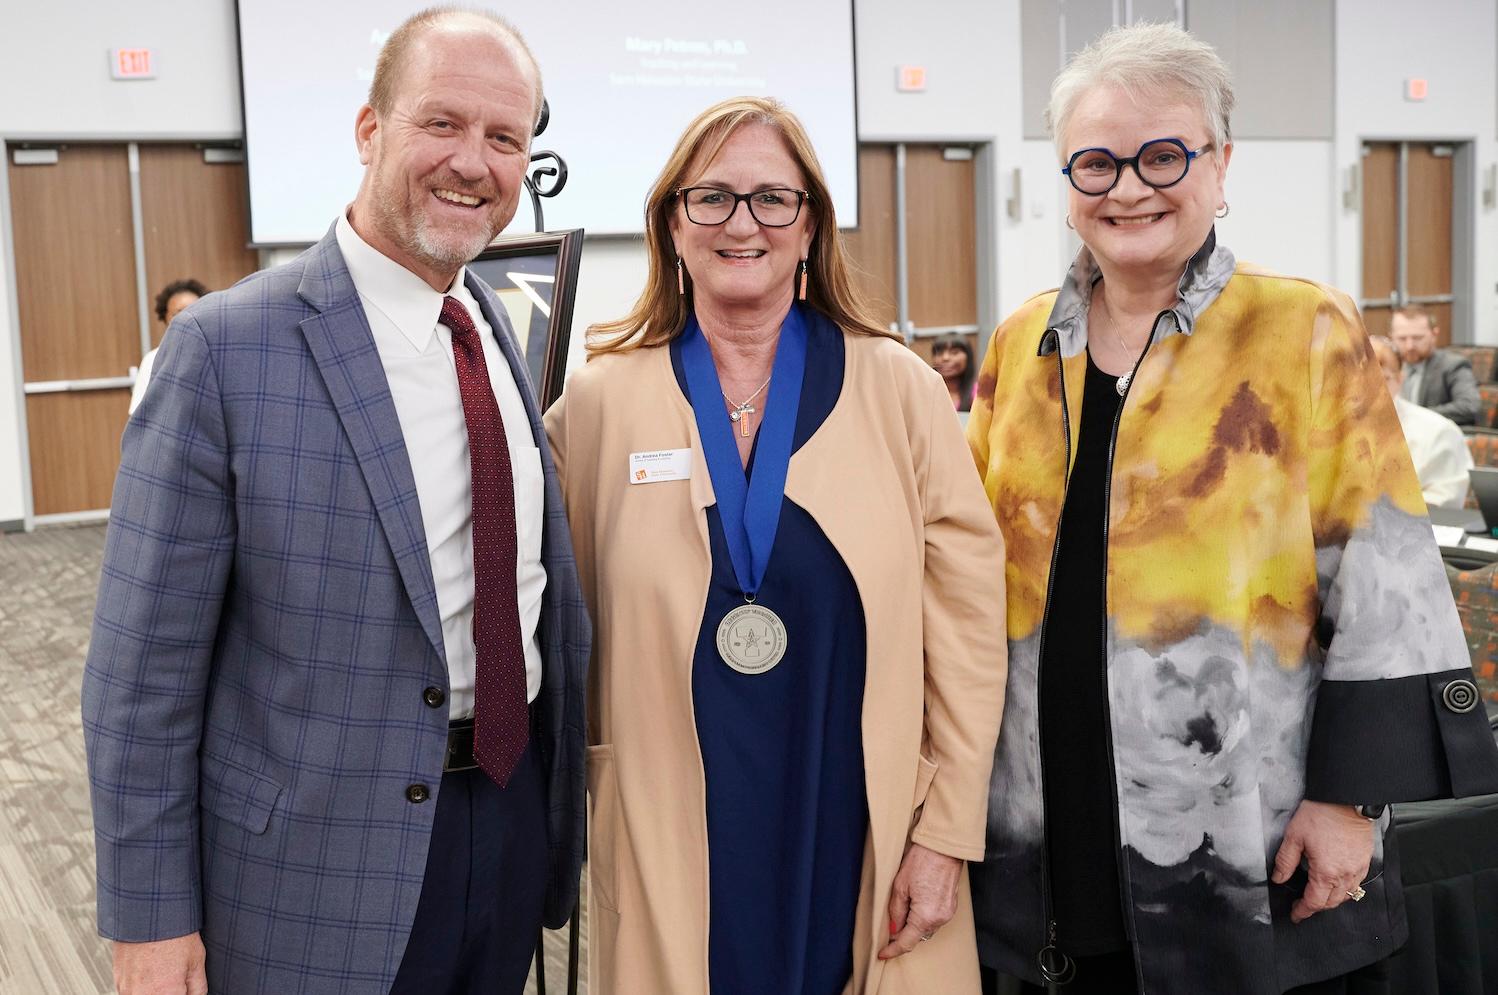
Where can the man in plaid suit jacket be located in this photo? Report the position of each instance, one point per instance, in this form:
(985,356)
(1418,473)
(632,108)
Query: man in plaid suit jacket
(279,796)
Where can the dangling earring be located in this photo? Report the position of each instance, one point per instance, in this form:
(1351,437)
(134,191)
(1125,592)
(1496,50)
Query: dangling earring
(802,294)
(681,280)
(1069,224)
(1222,211)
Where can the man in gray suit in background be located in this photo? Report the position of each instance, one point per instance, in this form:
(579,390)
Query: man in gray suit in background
(1434,378)
(334,698)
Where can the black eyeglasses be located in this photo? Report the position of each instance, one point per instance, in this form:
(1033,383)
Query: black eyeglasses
(1160,163)
(777,207)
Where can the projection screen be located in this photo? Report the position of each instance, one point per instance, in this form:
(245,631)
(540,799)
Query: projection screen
(622,78)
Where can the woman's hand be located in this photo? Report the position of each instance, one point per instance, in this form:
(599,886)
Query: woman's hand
(1337,844)
(923,898)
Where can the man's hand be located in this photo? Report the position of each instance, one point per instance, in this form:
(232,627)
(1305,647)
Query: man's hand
(923,898)
(162,967)
(1337,844)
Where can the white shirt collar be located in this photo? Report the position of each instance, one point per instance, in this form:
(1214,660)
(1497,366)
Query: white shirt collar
(399,294)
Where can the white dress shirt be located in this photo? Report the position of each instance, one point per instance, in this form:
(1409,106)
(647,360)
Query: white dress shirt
(142,378)
(417,353)
(1439,451)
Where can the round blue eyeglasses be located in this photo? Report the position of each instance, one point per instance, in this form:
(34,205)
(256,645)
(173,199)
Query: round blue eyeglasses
(1160,163)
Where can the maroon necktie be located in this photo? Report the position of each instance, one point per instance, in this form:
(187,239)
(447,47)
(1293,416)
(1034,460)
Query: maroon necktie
(500,709)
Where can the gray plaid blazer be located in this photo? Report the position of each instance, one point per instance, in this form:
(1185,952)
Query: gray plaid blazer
(266,625)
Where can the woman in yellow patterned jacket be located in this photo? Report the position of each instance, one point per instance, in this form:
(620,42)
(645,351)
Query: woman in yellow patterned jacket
(1231,639)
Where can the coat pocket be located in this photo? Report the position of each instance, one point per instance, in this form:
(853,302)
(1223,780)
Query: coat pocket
(603,827)
(235,794)
(925,773)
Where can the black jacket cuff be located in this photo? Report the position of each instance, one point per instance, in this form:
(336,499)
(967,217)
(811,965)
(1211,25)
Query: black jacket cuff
(1400,739)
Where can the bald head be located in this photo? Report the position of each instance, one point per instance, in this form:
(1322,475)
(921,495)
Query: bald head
(396,55)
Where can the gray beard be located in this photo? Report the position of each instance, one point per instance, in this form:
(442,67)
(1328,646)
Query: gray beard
(447,251)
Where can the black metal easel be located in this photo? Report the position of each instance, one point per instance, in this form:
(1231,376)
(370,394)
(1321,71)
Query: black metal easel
(548,181)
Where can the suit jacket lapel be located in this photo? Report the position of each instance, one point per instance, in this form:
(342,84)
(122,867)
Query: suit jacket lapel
(343,348)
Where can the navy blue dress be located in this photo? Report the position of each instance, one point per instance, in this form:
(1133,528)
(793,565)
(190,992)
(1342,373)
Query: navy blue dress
(783,751)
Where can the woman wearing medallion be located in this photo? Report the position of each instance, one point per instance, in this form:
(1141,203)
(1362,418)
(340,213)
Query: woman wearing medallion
(793,574)
(1230,634)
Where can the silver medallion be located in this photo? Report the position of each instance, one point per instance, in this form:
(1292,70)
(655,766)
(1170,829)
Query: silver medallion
(751,639)
(1122,384)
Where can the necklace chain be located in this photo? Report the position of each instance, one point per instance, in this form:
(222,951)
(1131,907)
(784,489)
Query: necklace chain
(1121,384)
(748,400)
(1113,326)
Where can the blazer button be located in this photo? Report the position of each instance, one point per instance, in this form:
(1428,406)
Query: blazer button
(417,793)
(434,697)
(1460,696)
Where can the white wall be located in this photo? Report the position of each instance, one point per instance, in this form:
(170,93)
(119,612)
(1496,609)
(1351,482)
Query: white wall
(13,492)
(1282,197)
(55,73)
(1450,43)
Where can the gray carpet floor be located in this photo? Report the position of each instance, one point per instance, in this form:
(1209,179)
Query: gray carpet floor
(48,945)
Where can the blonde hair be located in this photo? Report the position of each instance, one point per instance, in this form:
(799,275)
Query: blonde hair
(1386,352)
(1152,61)
(661,312)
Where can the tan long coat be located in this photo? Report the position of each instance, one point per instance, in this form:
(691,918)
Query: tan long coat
(890,481)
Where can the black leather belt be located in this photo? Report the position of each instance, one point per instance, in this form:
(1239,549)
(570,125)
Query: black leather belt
(460,743)
(459,747)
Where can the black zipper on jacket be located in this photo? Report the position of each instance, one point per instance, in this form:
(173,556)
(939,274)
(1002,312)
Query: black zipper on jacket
(1055,967)
(1123,876)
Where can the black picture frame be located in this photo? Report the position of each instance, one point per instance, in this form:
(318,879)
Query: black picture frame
(535,278)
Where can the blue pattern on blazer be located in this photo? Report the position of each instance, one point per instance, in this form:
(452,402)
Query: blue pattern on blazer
(266,625)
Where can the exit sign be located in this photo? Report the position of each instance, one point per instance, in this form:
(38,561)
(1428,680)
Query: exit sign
(132,63)
(910,79)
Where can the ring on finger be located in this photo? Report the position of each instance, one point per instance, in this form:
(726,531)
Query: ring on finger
(927,936)
(1357,894)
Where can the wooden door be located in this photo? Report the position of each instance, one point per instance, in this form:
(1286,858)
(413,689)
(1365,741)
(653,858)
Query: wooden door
(196,220)
(1429,195)
(942,217)
(872,246)
(76,293)
(1380,235)
(1408,202)
(78,289)
(941,235)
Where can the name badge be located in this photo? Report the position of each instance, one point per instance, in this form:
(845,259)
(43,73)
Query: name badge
(663,464)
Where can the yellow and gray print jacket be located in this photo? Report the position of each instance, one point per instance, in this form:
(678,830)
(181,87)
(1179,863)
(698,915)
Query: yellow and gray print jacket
(1271,575)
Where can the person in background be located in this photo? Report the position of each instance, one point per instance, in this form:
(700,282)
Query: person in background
(333,702)
(952,357)
(174,297)
(1434,378)
(1232,642)
(1437,445)
(799,591)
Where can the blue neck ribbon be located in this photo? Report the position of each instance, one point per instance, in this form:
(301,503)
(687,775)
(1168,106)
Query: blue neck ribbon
(750,509)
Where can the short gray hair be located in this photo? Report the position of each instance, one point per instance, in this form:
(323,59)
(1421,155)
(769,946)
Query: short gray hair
(1151,61)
